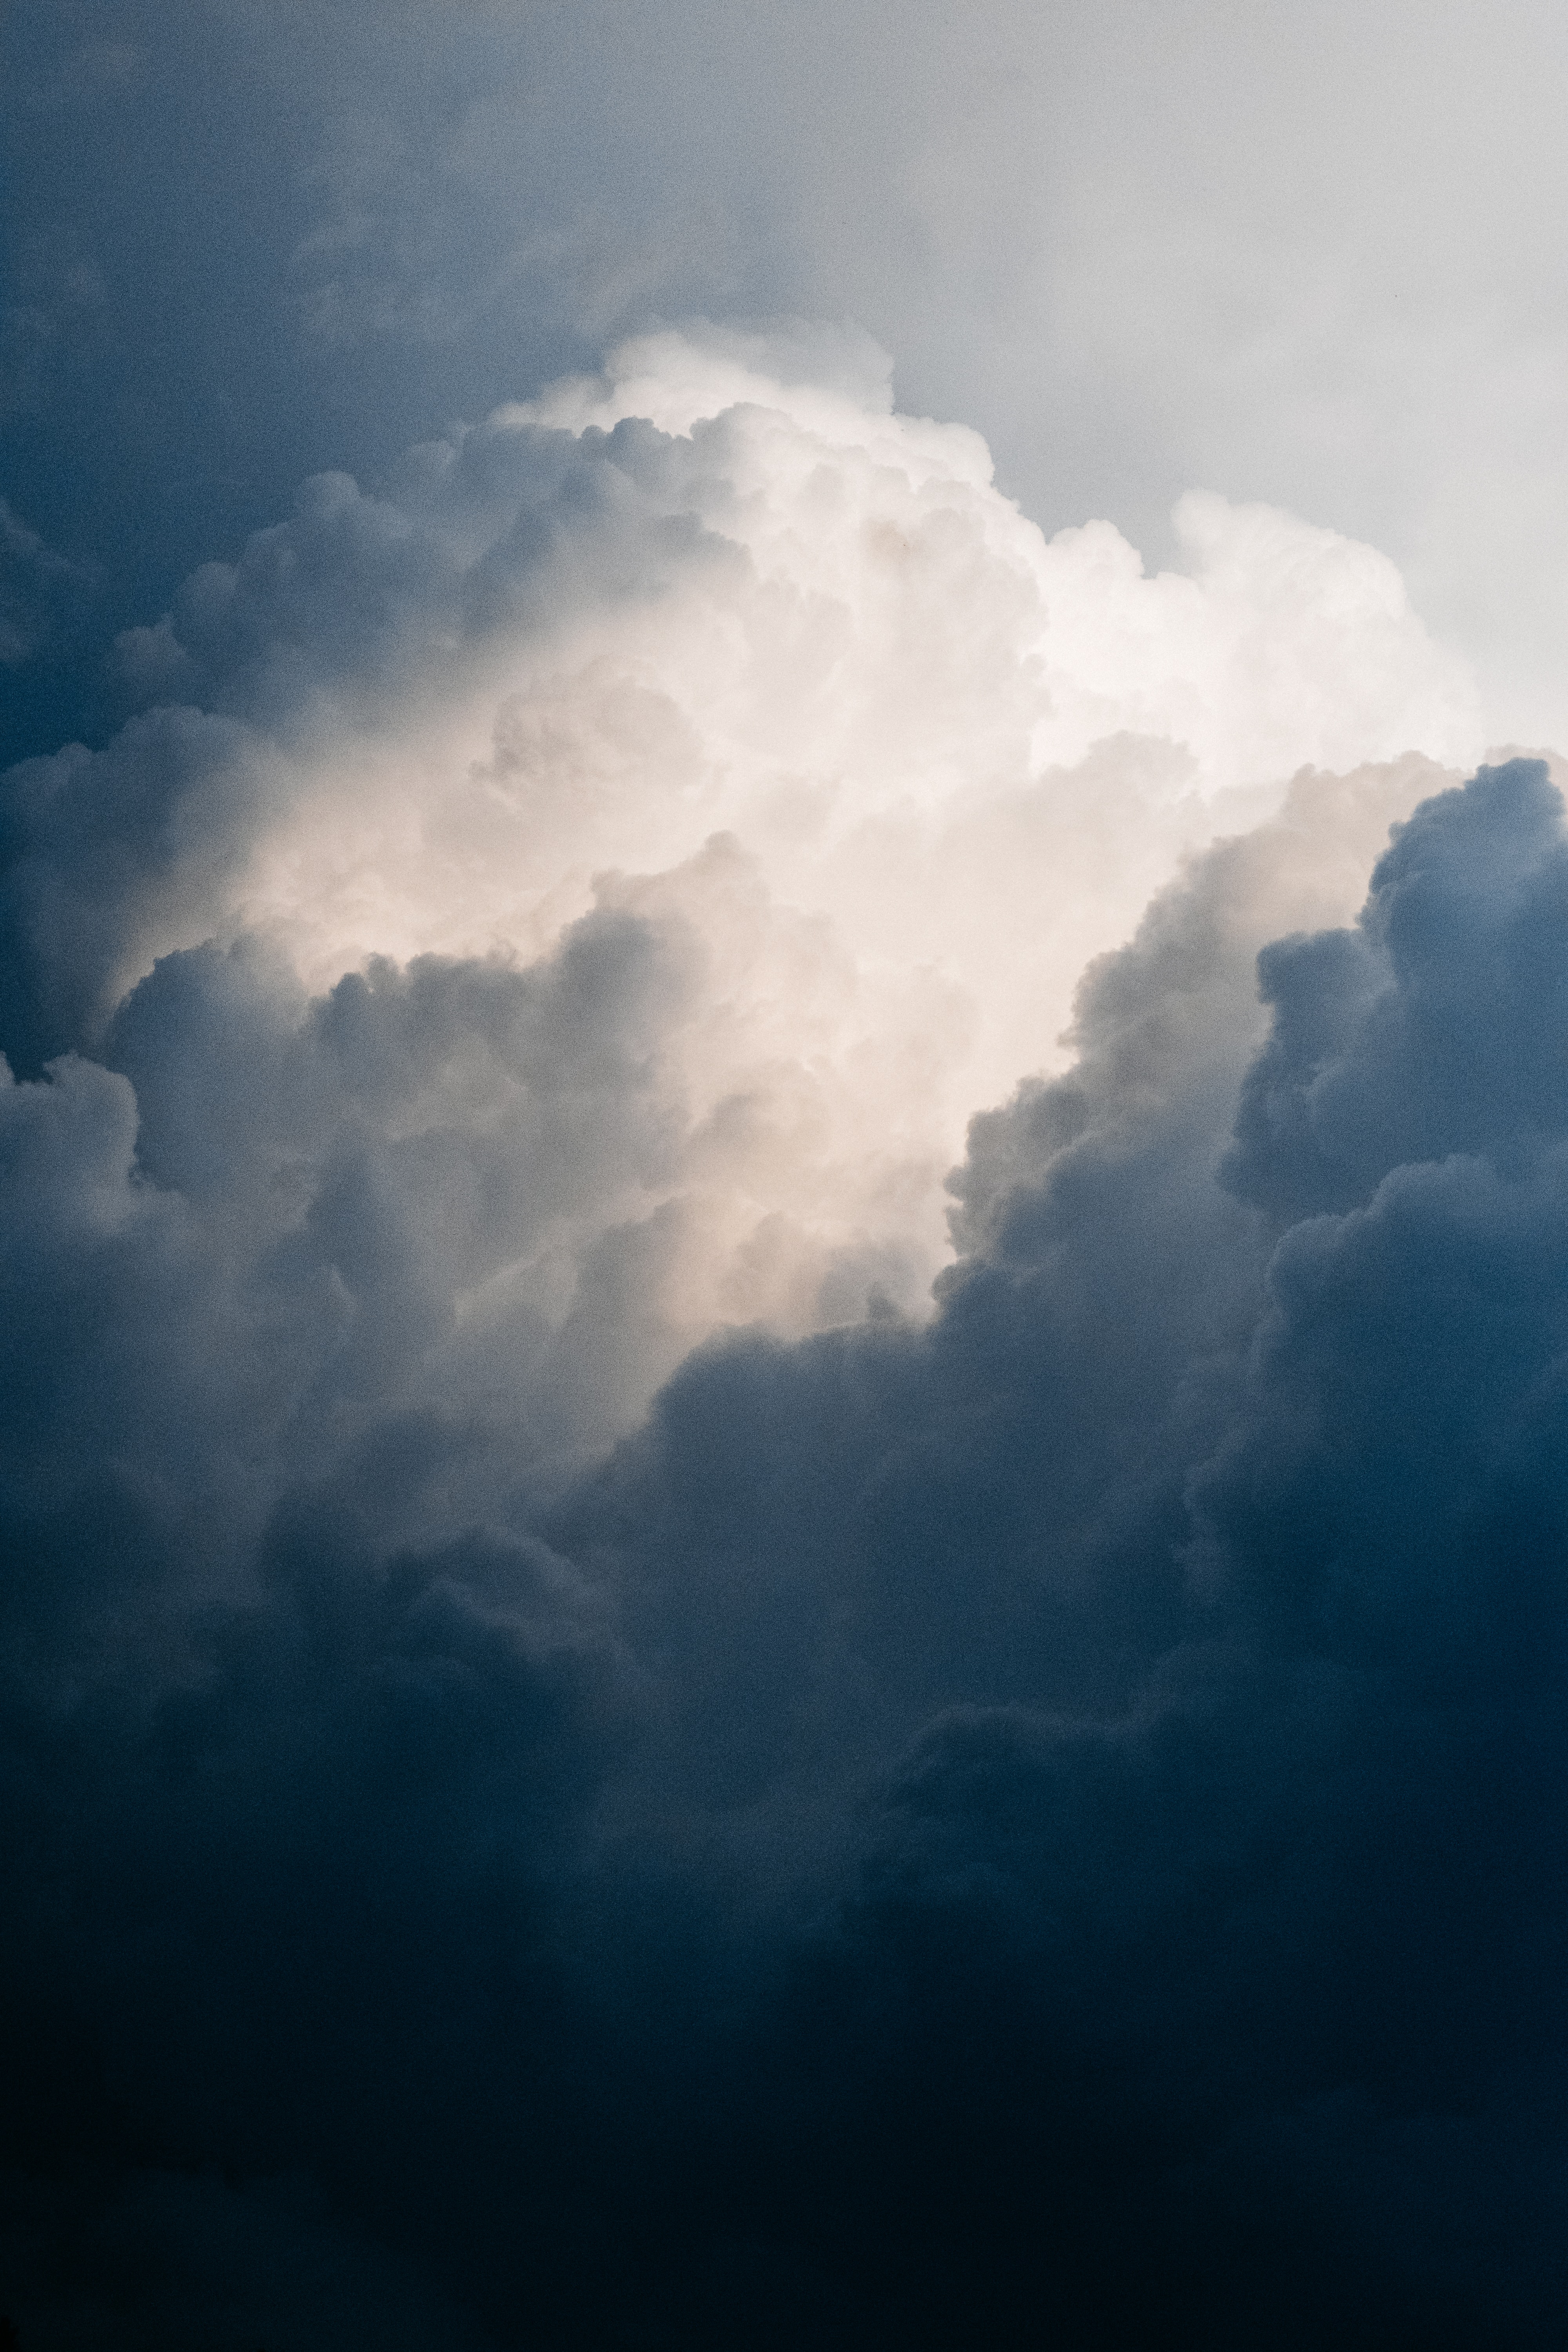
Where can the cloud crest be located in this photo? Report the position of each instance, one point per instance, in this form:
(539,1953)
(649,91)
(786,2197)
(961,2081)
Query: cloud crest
(718,642)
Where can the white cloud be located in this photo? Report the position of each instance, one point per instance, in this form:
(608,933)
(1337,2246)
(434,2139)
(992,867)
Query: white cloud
(720,643)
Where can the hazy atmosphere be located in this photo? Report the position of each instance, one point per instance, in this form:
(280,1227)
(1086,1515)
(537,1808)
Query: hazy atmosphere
(783,1140)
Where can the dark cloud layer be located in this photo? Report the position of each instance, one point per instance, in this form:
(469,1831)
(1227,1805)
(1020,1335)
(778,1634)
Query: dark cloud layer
(1040,1827)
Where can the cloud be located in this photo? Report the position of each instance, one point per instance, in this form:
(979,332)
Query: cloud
(1204,1588)
(1377,1054)
(587,1762)
(717,640)
(1095,1757)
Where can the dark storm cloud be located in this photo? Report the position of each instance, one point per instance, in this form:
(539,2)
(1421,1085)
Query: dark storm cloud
(1038,1826)
(1045,1824)
(1434,1028)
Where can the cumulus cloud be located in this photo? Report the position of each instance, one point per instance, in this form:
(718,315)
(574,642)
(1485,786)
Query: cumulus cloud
(588,1760)
(718,641)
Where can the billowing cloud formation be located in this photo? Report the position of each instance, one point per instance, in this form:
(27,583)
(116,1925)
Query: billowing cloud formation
(746,659)
(580,1769)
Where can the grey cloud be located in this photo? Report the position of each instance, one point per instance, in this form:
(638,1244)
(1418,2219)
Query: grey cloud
(1239,1815)
(1053,1807)
(95,841)
(355,603)
(358,594)
(1432,1027)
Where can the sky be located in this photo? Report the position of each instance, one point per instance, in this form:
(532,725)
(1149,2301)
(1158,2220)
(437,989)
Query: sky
(783,927)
